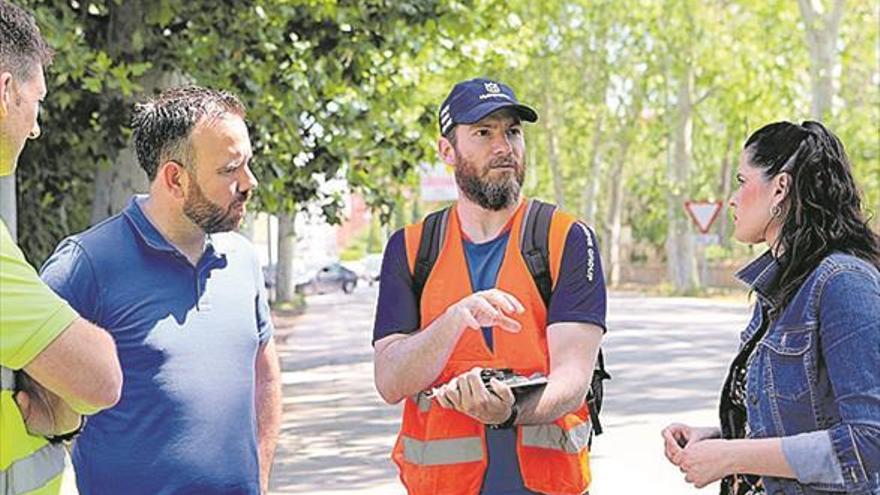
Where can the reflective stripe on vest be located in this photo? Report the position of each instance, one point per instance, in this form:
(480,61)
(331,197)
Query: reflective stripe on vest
(7,379)
(34,471)
(438,452)
(443,451)
(552,436)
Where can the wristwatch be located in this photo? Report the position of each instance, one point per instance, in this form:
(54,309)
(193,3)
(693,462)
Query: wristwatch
(66,437)
(508,423)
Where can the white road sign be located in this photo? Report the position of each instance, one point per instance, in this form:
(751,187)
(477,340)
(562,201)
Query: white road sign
(703,213)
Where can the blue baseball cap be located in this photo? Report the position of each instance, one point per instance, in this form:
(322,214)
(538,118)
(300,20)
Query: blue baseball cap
(470,101)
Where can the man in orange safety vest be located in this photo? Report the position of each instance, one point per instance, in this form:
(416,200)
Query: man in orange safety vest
(458,295)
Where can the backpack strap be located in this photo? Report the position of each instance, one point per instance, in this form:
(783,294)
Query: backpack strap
(535,250)
(534,244)
(433,234)
(596,394)
(535,247)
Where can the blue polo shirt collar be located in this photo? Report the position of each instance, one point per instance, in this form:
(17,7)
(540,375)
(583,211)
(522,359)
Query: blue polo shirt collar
(761,275)
(155,240)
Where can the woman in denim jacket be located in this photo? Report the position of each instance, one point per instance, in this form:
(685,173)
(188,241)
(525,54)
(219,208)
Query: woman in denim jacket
(800,409)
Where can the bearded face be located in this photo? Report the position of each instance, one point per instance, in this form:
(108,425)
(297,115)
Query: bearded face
(495,186)
(209,216)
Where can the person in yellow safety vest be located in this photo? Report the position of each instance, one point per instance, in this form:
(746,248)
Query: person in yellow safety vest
(54,365)
(480,308)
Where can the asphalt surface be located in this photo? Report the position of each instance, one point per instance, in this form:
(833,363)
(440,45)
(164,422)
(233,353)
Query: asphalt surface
(668,358)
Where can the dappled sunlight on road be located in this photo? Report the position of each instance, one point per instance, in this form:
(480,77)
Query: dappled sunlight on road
(337,433)
(668,357)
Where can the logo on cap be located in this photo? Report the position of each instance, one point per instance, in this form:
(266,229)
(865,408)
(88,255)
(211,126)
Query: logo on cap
(472,100)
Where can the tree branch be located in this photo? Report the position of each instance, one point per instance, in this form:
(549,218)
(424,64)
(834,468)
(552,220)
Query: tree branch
(835,16)
(808,14)
(705,95)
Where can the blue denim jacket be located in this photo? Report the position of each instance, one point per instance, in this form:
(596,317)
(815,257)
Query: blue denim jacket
(814,378)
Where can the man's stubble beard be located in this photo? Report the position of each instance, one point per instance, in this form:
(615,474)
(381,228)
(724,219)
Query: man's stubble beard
(209,216)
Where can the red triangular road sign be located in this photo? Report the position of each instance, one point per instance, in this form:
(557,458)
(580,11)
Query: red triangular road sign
(703,213)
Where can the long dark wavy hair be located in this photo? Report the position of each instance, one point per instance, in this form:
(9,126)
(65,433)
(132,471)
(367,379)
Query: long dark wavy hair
(821,213)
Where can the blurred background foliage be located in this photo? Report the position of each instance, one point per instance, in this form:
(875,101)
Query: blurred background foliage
(643,104)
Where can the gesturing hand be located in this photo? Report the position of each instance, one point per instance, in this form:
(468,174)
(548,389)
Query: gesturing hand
(488,308)
(467,394)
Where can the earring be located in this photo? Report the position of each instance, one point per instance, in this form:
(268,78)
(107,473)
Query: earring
(775,211)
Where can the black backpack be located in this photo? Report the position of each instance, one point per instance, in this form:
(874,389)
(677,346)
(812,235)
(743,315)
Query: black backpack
(535,250)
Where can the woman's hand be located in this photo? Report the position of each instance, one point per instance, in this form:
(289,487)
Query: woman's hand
(704,462)
(677,436)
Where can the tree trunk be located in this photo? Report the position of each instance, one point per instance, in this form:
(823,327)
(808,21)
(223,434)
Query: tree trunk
(398,218)
(681,260)
(416,216)
(726,172)
(247,226)
(373,235)
(8,211)
(615,214)
(591,191)
(617,179)
(549,120)
(822,34)
(284,283)
(114,185)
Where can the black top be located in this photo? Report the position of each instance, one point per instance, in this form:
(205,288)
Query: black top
(734,416)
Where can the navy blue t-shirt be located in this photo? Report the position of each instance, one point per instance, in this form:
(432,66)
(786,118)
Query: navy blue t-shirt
(579,296)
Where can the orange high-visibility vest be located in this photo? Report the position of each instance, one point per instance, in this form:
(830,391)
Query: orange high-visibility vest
(442,451)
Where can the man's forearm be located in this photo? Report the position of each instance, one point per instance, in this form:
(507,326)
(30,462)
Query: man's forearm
(268,426)
(81,367)
(573,350)
(268,409)
(410,364)
(563,394)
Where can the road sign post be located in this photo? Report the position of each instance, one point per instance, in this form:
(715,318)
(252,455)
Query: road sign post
(707,239)
(703,213)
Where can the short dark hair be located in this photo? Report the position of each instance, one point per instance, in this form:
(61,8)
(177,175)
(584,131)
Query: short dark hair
(21,44)
(162,125)
(451,137)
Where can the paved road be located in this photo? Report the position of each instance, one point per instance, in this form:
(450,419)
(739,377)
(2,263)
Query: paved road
(668,357)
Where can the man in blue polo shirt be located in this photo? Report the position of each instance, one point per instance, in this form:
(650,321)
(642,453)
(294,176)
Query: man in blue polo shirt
(183,299)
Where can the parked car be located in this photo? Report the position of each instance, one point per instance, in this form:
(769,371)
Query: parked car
(329,278)
(270,271)
(270,275)
(372,264)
